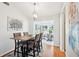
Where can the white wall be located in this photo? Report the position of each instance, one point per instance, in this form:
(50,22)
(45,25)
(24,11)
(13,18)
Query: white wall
(62,24)
(6,43)
(56,19)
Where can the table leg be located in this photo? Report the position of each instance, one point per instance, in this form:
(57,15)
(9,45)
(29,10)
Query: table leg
(27,48)
(15,49)
(23,50)
(18,49)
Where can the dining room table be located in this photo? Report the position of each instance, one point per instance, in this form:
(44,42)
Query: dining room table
(25,39)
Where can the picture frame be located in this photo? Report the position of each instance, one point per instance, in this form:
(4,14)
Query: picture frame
(14,24)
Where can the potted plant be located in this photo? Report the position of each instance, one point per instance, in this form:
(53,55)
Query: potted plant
(50,33)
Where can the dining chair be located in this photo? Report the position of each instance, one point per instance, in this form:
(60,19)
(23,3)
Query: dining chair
(25,33)
(33,46)
(41,40)
(18,44)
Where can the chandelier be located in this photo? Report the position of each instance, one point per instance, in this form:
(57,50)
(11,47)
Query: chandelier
(35,12)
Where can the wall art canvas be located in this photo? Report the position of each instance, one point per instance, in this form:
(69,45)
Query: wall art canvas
(74,28)
(14,24)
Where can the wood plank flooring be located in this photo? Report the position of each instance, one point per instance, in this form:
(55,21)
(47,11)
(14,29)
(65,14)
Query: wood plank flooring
(57,52)
(47,51)
(52,51)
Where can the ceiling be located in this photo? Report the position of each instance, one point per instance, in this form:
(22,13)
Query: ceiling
(44,9)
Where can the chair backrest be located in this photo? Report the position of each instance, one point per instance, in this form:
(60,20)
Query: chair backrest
(25,33)
(41,36)
(37,37)
(16,34)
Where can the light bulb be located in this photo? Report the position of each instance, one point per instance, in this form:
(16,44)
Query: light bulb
(35,15)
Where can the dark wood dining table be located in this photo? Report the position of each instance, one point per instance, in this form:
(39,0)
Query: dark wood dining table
(25,38)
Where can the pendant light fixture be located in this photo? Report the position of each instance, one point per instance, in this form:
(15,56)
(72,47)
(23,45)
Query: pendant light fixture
(35,11)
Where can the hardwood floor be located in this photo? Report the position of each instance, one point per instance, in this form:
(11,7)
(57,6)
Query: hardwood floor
(58,53)
(52,51)
(47,51)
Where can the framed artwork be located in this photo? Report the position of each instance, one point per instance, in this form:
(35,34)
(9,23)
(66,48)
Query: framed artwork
(14,24)
(74,28)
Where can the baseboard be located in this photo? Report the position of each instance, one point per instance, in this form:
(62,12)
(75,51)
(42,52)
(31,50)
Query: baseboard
(2,55)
